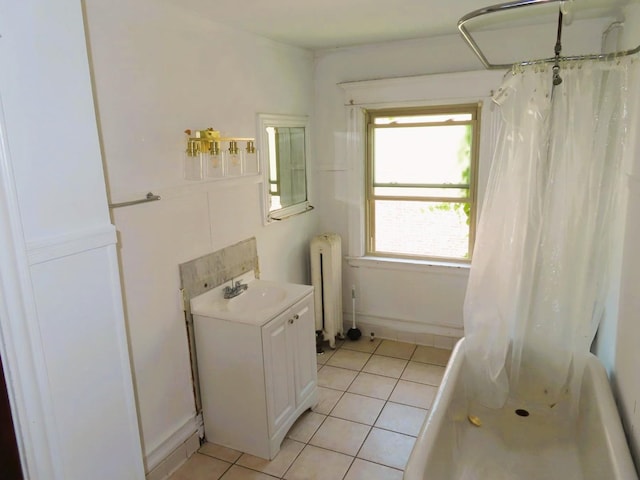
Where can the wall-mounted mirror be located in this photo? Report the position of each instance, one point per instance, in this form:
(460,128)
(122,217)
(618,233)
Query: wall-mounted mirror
(284,144)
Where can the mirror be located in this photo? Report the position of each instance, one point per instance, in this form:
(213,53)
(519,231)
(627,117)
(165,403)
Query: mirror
(284,143)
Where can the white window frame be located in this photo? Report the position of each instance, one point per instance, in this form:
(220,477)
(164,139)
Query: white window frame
(471,198)
(423,90)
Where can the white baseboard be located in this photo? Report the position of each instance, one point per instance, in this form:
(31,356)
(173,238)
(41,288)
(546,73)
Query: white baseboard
(439,336)
(174,451)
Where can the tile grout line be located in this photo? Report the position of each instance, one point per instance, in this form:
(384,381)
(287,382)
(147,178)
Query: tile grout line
(294,460)
(353,459)
(371,426)
(320,426)
(379,413)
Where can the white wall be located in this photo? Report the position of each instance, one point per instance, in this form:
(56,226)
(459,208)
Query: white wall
(624,339)
(413,303)
(158,70)
(61,322)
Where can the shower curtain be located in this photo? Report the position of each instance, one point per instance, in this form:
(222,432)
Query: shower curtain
(548,231)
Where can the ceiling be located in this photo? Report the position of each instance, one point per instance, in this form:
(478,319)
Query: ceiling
(323,24)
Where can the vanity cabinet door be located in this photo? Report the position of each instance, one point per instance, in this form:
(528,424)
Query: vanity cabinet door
(302,324)
(277,338)
(289,362)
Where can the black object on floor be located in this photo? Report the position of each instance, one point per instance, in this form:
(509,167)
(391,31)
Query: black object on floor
(319,339)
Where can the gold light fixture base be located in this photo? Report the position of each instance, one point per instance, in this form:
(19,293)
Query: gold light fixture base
(208,141)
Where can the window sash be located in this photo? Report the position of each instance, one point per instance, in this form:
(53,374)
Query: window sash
(372,185)
(444,192)
(435,118)
(381,244)
(379,172)
(449,123)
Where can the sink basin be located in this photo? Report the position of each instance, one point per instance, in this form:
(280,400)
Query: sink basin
(257,297)
(259,303)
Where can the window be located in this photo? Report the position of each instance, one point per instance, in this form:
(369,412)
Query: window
(420,182)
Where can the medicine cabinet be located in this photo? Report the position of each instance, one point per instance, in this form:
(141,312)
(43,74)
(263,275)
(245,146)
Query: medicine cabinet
(284,147)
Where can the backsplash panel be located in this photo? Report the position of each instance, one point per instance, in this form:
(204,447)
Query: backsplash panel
(209,271)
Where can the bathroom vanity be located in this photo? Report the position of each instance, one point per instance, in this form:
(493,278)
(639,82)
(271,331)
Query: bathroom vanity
(256,361)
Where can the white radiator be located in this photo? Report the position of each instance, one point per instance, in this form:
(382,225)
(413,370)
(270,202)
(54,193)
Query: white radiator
(326,277)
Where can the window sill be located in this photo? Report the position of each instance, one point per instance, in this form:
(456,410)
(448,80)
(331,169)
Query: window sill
(401,264)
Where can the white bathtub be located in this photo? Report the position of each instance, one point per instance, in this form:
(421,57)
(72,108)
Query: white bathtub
(542,446)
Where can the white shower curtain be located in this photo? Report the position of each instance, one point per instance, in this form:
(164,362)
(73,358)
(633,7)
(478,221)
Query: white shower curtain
(547,231)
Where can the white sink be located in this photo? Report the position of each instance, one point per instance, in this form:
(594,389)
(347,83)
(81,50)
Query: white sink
(257,296)
(259,303)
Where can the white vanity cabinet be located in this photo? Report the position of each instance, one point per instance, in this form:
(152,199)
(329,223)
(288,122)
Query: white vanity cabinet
(257,375)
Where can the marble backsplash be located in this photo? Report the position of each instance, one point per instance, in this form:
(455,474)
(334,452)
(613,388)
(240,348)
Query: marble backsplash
(209,271)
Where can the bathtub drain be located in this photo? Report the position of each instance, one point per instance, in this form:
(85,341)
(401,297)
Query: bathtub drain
(522,412)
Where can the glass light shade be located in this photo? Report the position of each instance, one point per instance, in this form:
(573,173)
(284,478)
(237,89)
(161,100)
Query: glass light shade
(192,166)
(251,165)
(233,160)
(215,165)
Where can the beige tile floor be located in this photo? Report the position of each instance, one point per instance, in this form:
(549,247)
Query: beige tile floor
(373,399)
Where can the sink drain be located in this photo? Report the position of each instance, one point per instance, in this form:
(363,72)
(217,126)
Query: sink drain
(522,412)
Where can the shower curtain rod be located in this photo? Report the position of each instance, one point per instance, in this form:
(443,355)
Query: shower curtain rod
(514,5)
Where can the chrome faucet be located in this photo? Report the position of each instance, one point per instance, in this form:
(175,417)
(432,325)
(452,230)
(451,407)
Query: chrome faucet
(235,289)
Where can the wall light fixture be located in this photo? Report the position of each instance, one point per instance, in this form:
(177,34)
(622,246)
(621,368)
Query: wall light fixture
(204,156)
